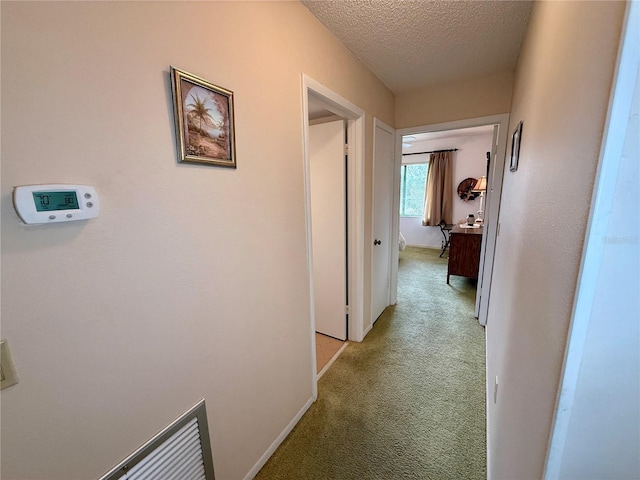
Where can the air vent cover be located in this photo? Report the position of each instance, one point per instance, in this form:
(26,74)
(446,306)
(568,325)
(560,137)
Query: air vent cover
(181,451)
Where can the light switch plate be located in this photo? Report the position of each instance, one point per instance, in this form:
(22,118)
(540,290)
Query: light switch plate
(8,375)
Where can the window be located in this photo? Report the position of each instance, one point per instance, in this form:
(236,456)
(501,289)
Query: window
(413,180)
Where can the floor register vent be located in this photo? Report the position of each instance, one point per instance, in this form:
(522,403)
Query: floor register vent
(182,451)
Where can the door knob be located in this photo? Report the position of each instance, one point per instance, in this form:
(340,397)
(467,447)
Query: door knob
(377,242)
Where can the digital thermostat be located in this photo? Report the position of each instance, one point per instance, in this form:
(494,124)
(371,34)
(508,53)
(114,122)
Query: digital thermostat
(55,203)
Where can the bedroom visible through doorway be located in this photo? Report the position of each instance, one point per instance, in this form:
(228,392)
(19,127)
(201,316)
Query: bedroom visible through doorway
(459,137)
(469,162)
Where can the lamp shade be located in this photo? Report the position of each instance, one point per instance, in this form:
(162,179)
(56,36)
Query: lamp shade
(481,185)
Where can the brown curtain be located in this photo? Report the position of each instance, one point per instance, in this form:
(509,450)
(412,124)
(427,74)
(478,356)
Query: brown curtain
(438,204)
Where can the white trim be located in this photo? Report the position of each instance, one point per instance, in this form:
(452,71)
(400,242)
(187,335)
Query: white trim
(492,206)
(486,416)
(395,218)
(355,217)
(333,359)
(392,246)
(611,151)
(379,123)
(272,448)
(338,105)
(492,213)
(307,221)
(367,330)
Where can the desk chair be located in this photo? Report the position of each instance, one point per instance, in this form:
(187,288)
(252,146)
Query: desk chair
(445,228)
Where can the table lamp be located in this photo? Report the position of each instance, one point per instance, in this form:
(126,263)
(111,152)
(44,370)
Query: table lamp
(481,187)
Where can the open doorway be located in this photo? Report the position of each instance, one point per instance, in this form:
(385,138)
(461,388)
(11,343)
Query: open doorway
(469,148)
(320,102)
(491,204)
(329,233)
(467,152)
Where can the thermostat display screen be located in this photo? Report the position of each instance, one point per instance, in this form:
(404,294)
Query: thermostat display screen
(49,201)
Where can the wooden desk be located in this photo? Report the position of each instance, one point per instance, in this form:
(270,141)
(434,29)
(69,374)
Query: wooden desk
(464,251)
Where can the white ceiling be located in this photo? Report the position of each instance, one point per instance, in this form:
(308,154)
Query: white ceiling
(414,43)
(417,141)
(460,132)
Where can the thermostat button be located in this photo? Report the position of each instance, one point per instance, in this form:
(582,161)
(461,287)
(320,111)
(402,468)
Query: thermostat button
(87,195)
(89,204)
(69,215)
(52,217)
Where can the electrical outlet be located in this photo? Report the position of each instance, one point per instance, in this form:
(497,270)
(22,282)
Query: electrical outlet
(495,391)
(8,375)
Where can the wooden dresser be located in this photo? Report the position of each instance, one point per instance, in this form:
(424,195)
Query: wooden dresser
(464,251)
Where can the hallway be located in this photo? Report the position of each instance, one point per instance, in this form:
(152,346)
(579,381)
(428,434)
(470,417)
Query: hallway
(409,401)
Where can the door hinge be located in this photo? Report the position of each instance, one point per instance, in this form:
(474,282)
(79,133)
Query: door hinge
(347,309)
(346,149)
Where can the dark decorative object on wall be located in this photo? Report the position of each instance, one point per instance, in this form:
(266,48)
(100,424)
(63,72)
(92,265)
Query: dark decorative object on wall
(465,189)
(488,163)
(204,121)
(515,147)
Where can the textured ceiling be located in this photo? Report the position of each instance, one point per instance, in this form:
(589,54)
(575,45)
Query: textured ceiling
(410,44)
(417,142)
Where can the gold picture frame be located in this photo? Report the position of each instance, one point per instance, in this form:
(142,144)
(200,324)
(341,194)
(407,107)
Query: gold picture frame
(516,138)
(204,121)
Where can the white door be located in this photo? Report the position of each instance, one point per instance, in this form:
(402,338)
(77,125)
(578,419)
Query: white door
(327,182)
(383,238)
(492,210)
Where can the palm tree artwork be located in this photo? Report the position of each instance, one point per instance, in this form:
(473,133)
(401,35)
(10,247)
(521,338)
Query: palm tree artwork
(199,109)
(206,125)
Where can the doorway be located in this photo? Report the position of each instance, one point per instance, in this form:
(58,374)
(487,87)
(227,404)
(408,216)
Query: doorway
(320,96)
(329,233)
(469,150)
(491,201)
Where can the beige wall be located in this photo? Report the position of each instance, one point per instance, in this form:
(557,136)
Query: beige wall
(561,93)
(192,282)
(471,98)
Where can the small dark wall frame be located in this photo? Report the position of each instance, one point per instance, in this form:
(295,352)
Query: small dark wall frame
(515,147)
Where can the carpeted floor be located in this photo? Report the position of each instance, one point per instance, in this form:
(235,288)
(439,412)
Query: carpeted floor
(409,401)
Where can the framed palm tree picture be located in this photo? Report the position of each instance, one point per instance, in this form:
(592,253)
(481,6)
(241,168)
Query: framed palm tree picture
(516,138)
(204,121)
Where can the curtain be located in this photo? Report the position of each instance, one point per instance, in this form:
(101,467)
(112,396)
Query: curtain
(438,204)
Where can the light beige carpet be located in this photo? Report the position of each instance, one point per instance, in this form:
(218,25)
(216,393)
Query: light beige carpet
(409,401)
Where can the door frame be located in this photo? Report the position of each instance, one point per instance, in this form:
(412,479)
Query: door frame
(355,117)
(492,206)
(393,239)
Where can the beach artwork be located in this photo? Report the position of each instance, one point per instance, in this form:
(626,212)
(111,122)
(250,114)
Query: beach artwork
(204,115)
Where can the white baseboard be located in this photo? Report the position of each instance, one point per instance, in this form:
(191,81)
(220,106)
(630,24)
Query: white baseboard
(333,359)
(367,330)
(489,392)
(432,247)
(272,448)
